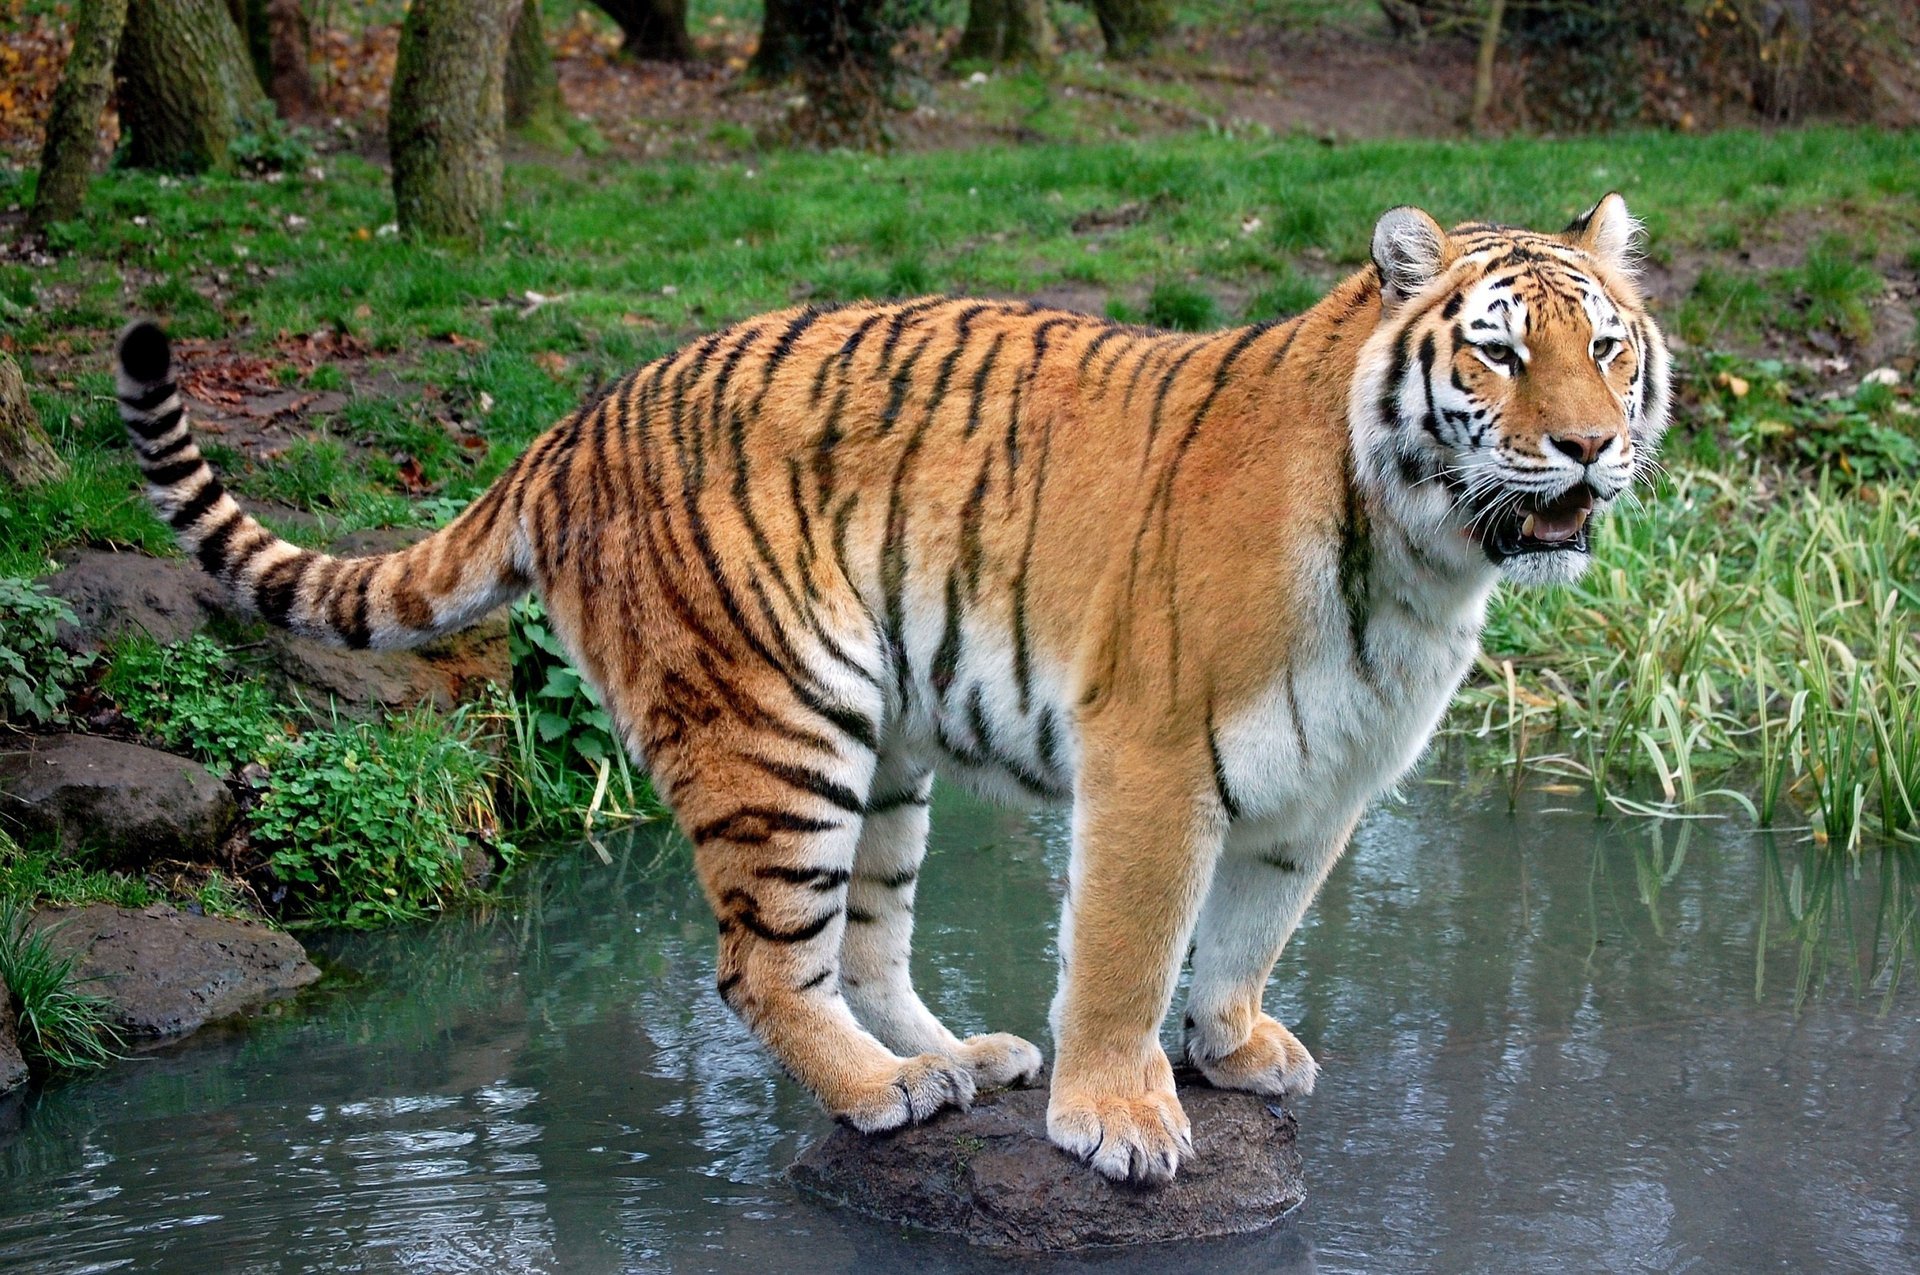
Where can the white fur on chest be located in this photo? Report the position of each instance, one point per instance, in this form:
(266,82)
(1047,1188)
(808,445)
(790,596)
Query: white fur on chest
(1324,738)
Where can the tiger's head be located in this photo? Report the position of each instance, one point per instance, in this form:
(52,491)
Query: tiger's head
(1514,388)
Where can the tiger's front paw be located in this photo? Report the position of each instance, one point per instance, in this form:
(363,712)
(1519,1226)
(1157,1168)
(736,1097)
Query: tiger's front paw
(917,1089)
(999,1060)
(1136,1137)
(1271,1062)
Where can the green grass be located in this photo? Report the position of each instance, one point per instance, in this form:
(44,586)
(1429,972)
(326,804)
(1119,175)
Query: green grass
(61,1026)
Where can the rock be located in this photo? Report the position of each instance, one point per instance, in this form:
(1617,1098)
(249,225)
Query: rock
(121,804)
(113,594)
(13,1067)
(168,972)
(362,683)
(990,1176)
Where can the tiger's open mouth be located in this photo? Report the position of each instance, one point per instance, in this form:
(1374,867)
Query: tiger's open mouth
(1558,525)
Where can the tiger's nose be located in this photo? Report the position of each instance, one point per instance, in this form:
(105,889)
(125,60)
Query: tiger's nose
(1585,448)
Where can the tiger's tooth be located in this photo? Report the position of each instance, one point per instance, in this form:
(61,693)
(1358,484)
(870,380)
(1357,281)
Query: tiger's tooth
(1579,519)
(1526,528)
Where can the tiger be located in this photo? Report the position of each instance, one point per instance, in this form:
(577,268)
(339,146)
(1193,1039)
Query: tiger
(1212,591)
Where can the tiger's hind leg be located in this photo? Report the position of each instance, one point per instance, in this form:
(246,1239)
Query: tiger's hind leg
(774,827)
(879,937)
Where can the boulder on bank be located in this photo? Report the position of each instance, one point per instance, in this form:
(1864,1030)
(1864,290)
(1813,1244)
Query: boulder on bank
(990,1176)
(362,684)
(169,972)
(117,594)
(120,804)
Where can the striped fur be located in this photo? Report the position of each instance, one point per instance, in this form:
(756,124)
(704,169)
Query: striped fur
(1212,590)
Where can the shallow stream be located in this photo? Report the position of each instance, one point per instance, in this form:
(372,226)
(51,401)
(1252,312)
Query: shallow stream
(1550,1044)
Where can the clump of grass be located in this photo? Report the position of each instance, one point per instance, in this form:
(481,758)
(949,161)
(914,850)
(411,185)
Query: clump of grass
(1838,284)
(61,1027)
(1182,307)
(1288,295)
(1736,624)
(31,876)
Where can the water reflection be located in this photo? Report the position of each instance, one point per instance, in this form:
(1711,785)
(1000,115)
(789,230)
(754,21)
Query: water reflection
(1550,1044)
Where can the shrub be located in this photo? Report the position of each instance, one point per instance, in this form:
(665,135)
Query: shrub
(189,698)
(1182,307)
(370,825)
(35,671)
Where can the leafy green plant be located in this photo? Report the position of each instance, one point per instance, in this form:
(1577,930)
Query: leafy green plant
(190,697)
(563,760)
(61,1026)
(373,824)
(272,146)
(35,671)
(34,876)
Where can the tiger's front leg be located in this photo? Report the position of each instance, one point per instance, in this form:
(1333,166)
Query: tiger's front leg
(1147,829)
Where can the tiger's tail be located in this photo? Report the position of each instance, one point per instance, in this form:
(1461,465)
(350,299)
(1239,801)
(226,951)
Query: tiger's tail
(446,582)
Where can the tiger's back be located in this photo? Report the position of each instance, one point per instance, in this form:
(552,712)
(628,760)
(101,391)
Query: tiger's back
(1214,590)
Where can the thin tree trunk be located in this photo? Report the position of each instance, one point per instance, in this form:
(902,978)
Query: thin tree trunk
(846,63)
(1132,27)
(779,53)
(289,69)
(73,125)
(656,30)
(447,115)
(534,108)
(1006,31)
(26,457)
(187,88)
(1483,65)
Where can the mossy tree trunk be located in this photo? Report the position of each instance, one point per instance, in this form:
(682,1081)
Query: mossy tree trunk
(1006,31)
(447,116)
(778,55)
(846,63)
(1132,27)
(656,30)
(26,457)
(73,125)
(187,87)
(533,104)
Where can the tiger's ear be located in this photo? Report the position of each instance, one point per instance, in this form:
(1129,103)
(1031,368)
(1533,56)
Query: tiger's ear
(1409,251)
(1608,231)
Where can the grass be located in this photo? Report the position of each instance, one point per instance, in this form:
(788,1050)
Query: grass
(61,1027)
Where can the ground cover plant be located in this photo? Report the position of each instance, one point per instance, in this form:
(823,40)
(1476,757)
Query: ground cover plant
(1746,640)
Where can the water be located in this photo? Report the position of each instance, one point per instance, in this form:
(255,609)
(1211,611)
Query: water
(1550,1044)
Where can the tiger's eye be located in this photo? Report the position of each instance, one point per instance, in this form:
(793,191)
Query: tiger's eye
(1605,348)
(1503,355)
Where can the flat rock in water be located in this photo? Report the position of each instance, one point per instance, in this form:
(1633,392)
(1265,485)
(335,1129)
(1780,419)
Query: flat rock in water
(122,804)
(169,972)
(990,1176)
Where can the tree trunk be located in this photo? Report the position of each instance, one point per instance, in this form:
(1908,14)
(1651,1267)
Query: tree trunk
(250,19)
(73,125)
(289,61)
(447,115)
(846,63)
(26,457)
(779,53)
(534,108)
(187,88)
(1483,65)
(1006,31)
(1131,27)
(656,30)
